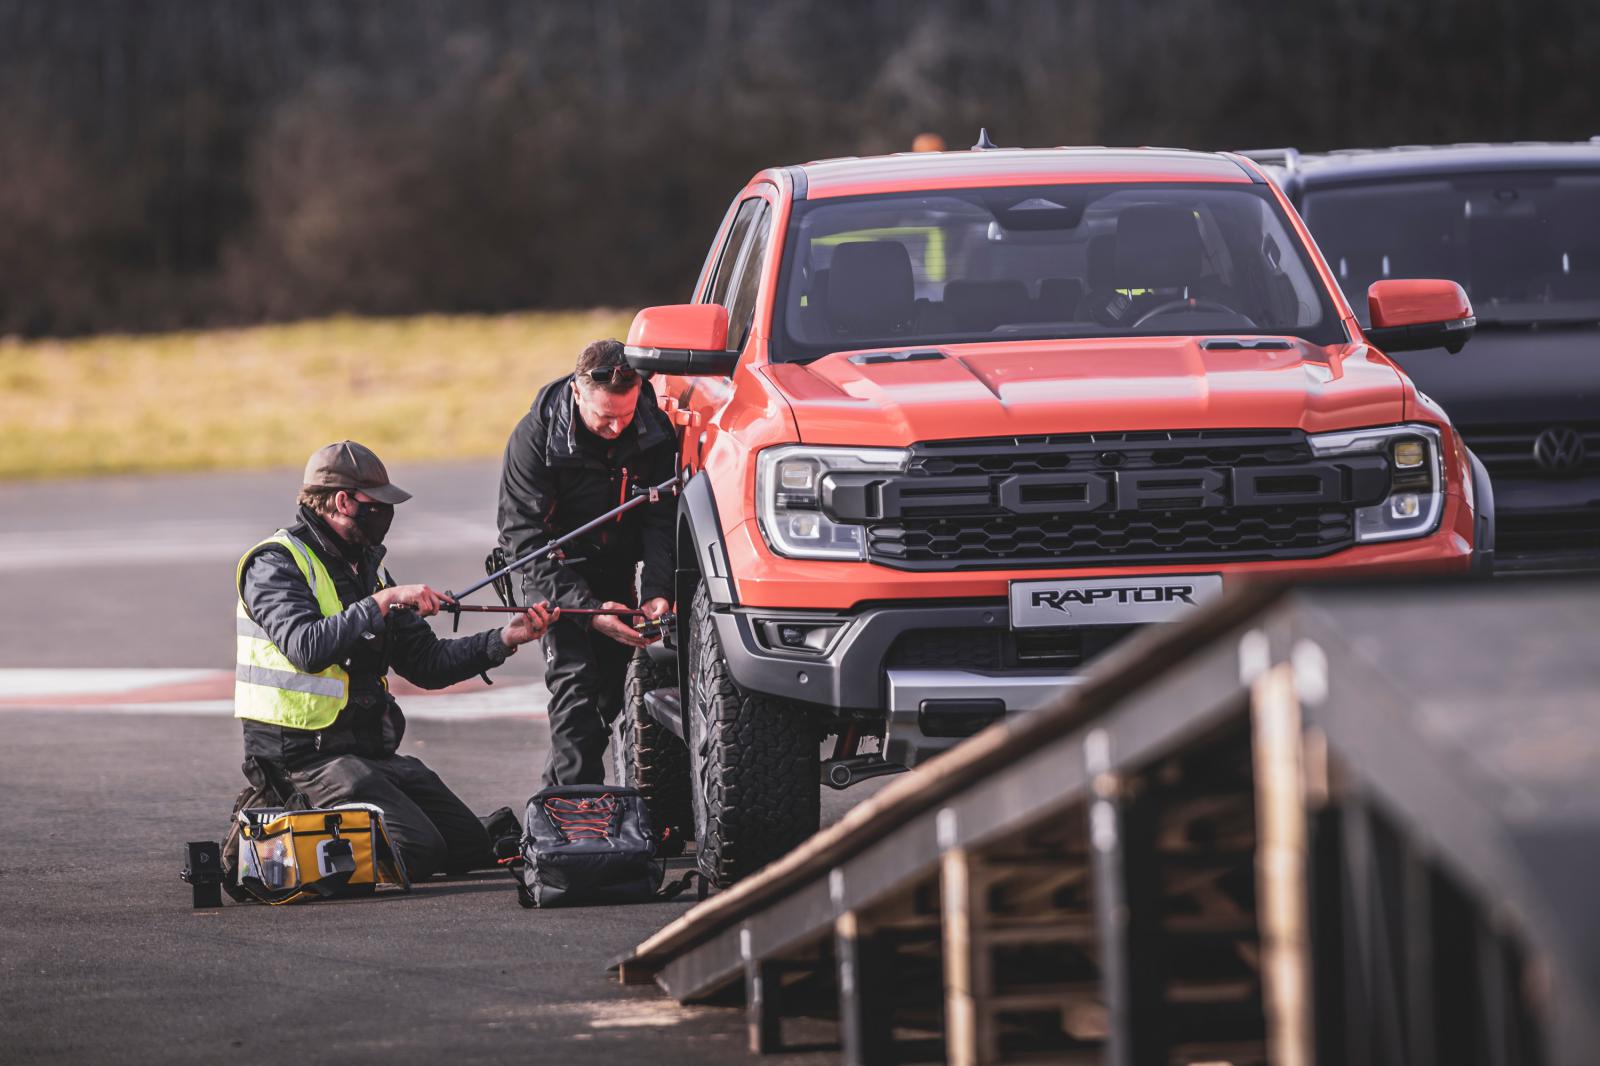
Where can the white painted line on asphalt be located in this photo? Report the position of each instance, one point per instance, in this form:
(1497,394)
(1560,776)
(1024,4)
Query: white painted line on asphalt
(22,683)
(501,701)
(158,542)
(115,691)
(523,701)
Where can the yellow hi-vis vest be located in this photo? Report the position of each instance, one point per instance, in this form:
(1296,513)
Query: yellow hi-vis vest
(267,687)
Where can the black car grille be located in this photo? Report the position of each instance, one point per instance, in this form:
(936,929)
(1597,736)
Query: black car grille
(1272,535)
(1571,449)
(1560,531)
(1154,497)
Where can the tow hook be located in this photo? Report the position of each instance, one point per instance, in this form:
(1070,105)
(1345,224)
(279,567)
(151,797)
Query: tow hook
(842,773)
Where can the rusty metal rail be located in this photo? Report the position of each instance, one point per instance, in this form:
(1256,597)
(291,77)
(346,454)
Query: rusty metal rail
(1343,824)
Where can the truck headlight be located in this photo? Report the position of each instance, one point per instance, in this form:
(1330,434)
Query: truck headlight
(1416,478)
(789,498)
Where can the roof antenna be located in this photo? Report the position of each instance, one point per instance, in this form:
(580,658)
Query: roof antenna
(984,143)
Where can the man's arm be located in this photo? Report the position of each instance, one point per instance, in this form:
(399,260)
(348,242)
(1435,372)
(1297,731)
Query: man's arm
(281,602)
(527,502)
(423,658)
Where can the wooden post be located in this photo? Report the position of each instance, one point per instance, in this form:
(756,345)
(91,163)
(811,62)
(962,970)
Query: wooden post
(1281,863)
(763,1013)
(969,1032)
(1110,899)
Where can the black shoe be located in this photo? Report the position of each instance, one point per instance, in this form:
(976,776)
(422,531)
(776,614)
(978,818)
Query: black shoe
(670,845)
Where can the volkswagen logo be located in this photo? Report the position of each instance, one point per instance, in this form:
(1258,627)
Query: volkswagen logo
(1558,450)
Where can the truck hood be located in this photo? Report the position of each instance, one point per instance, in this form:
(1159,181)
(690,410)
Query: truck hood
(894,398)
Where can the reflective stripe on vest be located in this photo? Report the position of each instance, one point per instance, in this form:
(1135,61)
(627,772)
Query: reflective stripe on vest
(267,687)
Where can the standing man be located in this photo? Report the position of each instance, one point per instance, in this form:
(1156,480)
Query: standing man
(590,439)
(320,624)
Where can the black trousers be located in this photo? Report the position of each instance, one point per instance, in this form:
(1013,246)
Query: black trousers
(585,672)
(430,825)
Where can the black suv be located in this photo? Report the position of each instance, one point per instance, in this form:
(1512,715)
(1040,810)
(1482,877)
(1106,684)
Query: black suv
(1518,225)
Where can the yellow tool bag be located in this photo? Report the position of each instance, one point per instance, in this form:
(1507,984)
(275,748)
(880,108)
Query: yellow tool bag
(289,856)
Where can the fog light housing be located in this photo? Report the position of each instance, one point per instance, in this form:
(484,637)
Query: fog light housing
(1405,505)
(808,637)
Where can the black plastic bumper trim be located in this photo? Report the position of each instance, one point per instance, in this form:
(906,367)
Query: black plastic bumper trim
(850,677)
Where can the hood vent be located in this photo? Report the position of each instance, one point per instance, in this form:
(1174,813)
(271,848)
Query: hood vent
(1244,344)
(920,355)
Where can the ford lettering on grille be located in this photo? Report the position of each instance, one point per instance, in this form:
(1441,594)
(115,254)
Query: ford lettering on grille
(1182,496)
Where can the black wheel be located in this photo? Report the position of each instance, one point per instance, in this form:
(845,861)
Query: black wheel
(645,754)
(753,760)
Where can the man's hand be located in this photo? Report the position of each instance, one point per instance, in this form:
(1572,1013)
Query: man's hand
(419,598)
(529,625)
(655,608)
(618,628)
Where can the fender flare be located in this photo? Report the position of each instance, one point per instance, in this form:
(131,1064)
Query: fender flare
(700,556)
(1483,520)
(700,551)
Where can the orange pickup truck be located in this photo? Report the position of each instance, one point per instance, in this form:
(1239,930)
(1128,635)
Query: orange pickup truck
(958,422)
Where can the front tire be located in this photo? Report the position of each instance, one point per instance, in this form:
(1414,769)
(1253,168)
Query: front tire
(645,754)
(754,762)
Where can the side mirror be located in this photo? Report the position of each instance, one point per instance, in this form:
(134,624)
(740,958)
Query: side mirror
(1408,316)
(681,339)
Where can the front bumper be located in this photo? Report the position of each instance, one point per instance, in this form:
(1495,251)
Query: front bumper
(926,709)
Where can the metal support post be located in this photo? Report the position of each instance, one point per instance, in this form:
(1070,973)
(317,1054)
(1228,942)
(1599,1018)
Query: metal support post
(1281,862)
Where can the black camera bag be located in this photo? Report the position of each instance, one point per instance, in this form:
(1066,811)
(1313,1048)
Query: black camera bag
(585,844)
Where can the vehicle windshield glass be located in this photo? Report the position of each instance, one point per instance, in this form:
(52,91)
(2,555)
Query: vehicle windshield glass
(1043,262)
(1526,247)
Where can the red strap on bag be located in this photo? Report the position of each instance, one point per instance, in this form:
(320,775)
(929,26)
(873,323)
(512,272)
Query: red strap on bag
(588,819)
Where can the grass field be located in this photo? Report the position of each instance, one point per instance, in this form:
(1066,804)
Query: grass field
(429,387)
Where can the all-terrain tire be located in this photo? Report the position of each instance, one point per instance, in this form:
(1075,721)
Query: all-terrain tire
(753,760)
(645,754)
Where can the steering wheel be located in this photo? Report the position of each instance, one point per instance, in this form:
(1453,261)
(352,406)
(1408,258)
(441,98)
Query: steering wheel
(1191,305)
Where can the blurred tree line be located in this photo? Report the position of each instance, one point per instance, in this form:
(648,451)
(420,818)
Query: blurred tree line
(190,162)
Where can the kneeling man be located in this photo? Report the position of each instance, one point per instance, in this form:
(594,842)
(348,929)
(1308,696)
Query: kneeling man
(320,625)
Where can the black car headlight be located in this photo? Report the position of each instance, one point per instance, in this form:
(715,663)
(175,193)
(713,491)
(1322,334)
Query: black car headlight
(1416,478)
(789,485)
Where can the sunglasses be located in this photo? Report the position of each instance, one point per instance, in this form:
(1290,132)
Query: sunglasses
(605,375)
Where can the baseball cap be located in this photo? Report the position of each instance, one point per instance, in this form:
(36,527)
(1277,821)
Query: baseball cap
(351,466)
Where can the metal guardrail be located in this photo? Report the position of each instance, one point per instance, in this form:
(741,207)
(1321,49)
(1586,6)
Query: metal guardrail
(1339,824)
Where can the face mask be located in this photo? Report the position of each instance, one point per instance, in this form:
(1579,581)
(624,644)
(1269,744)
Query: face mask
(373,521)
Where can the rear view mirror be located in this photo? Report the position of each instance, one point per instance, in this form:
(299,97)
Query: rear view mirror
(1410,315)
(681,339)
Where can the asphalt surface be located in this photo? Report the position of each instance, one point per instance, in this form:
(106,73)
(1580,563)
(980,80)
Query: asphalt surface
(102,957)
(138,571)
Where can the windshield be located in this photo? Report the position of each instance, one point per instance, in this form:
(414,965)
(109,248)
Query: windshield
(1031,263)
(1526,247)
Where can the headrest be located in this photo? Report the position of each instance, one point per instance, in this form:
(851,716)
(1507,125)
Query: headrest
(1158,247)
(871,292)
(1059,297)
(977,305)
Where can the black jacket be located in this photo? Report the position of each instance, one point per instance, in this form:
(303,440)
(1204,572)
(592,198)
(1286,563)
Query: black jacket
(364,641)
(558,476)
